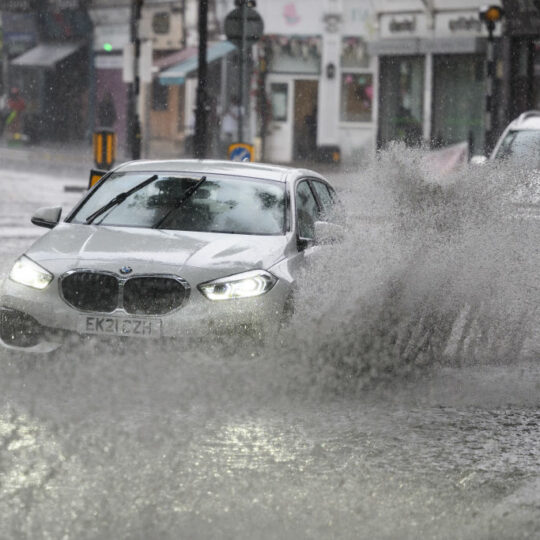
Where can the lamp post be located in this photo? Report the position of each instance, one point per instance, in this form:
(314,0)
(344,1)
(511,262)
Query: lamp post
(490,16)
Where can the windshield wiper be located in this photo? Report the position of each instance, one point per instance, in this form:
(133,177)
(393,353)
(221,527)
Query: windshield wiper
(120,198)
(187,194)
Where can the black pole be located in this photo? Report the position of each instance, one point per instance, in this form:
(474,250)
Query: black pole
(490,78)
(201,113)
(241,81)
(134,122)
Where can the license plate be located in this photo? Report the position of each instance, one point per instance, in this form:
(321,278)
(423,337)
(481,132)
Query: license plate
(121,326)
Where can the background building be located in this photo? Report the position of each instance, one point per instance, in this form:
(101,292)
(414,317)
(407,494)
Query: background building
(431,72)
(319,77)
(47,56)
(521,56)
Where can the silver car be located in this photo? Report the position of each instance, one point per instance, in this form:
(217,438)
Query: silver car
(520,141)
(168,249)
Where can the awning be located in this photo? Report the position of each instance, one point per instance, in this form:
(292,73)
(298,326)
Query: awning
(177,74)
(46,54)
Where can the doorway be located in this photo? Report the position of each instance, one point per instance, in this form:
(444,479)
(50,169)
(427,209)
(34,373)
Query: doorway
(305,119)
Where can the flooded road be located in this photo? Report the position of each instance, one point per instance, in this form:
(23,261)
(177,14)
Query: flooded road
(402,401)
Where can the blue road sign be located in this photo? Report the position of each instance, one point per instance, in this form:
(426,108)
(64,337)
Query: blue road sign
(241,152)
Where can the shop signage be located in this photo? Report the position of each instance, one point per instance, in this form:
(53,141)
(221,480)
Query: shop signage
(466,24)
(402,25)
(460,24)
(18,5)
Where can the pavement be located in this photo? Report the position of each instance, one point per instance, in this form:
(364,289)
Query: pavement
(64,160)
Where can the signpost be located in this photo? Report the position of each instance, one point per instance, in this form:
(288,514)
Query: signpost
(134,122)
(243,27)
(241,152)
(200,142)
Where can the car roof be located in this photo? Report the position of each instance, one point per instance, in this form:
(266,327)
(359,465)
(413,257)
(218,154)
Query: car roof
(207,166)
(525,121)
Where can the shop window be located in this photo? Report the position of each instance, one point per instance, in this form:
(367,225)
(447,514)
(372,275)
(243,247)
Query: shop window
(356,97)
(458,100)
(354,53)
(279,93)
(160,96)
(401,99)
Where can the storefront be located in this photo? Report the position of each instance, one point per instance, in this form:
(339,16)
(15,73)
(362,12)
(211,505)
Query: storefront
(319,79)
(522,57)
(431,83)
(49,62)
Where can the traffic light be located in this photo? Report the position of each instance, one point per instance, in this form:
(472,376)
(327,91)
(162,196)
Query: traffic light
(491,15)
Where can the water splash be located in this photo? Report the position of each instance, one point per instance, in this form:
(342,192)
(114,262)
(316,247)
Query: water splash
(432,269)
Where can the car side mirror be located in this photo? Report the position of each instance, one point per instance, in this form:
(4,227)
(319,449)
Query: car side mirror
(327,233)
(478,160)
(47,217)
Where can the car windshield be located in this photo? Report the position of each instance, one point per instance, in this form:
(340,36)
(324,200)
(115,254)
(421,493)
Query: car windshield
(521,146)
(221,204)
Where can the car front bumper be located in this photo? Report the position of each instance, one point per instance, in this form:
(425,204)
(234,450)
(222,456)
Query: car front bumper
(41,321)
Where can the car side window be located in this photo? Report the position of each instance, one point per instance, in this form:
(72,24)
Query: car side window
(325,197)
(307,210)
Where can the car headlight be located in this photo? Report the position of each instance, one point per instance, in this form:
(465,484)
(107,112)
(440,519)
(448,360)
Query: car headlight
(245,285)
(27,272)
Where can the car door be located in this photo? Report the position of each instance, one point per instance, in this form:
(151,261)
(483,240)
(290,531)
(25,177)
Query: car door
(307,209)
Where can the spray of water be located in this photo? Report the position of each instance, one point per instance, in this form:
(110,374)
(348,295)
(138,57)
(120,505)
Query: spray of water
(432,269)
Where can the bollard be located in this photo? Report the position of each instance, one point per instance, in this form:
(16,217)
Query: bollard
(104,148)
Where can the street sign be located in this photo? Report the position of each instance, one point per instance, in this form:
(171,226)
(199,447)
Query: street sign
(95,176)
(241,152)
(104,148)
(253,30)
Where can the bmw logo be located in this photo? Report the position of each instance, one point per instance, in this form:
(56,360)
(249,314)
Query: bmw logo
(126,270)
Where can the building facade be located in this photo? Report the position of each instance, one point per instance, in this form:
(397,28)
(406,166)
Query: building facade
(318,78)
(161,31)
(431,62)
(46,55)
(521,50)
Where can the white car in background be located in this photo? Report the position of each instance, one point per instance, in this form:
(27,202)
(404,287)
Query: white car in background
(519,142)
(168,249)
(519,146)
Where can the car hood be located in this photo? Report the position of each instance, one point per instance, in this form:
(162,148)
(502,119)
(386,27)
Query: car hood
(191,255)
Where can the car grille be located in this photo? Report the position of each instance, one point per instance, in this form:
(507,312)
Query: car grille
(153,295)
(146,295)
(91,291)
